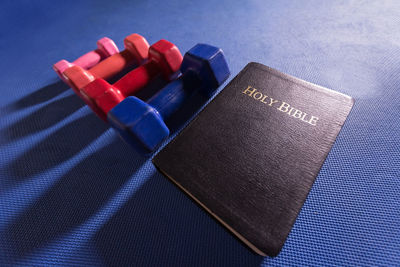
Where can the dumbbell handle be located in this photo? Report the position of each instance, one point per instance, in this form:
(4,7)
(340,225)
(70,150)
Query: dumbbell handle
(137,78)
(113,64)
(89,59)
(172,96)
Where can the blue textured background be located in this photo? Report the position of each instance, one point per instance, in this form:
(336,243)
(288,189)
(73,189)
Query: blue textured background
(72,193)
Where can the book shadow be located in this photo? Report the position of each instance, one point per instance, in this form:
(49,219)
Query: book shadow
(160,226)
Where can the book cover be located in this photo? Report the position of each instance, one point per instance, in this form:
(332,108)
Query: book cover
(251,156)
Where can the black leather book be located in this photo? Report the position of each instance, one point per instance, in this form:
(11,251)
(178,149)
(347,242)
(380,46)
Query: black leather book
(251,156)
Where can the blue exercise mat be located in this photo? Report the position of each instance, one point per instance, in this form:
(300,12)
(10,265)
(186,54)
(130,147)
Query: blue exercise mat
(73,193)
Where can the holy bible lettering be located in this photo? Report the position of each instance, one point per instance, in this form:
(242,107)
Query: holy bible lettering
(281,106)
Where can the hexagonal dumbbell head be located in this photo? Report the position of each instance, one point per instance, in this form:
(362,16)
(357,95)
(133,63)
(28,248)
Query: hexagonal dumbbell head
(142,125)
(139,124)
(138,46)
(167,56)
(61,66)
(106,48)
(101,97)
(209,64)
(76,77)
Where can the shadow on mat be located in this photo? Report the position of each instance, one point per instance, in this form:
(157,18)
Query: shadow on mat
(160,226)
(73,199)
(41,95)
(43,118)
(58,147)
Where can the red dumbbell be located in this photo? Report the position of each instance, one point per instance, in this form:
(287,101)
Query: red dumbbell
(164,58)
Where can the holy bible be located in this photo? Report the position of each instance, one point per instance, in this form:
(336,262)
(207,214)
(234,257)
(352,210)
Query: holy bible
(251,156)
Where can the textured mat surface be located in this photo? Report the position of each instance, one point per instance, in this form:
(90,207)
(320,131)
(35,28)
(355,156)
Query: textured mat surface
(72,193)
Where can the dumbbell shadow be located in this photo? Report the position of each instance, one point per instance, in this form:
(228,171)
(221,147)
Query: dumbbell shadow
(43,118)
(41,95)
(72,200)
(58,147)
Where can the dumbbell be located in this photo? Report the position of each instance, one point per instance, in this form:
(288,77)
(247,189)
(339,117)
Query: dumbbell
(164,58)
(142,125)
(136,51)
(105,48)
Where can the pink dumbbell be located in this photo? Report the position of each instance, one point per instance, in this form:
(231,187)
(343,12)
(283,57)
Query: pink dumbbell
(106,48)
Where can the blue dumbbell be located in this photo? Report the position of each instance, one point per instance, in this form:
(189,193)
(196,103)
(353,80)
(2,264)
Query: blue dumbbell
(141,124)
